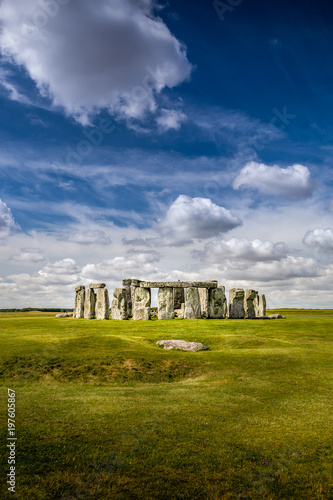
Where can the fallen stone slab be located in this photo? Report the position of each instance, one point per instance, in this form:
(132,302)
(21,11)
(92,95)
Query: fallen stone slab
(183,345)
(64,315)
(276,316)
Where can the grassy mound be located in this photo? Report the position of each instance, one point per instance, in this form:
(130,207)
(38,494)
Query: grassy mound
(102,412)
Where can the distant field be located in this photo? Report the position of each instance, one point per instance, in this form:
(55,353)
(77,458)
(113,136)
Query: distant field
(104,413)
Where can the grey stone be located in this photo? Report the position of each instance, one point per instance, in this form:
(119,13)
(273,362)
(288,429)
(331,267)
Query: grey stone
(179,284)
(89,304)
(119,309)
(262,305)
(102,307)
(178,297)
(179,313)
(276,316)
(192,304)
(256,305)
(97,285)
(141,306)
(165,303)
(79,288)
(216,303)
(64,315)
(236,303)
(203,294)
(79,302)
(249,306)
(183,345)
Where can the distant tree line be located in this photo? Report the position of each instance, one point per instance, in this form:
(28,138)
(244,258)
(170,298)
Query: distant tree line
(40,309)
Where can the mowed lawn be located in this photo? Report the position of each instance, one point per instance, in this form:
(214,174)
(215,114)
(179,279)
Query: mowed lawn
(102,412)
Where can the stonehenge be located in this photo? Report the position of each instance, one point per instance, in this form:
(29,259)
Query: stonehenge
(181,299)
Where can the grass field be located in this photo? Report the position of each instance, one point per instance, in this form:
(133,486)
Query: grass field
(102,412)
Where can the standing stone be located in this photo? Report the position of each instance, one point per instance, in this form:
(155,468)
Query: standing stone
(141,306)
(192,304)
(89,304)
(80,293)
(204,300)
(262,305)
(119,308)
(127,287)
(102,304)
(249,305)
(256,305)
(178,297)
(165,303)
(236,303)
(216,303)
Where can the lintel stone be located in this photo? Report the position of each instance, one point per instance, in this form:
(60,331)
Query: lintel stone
(97,285)
(179,284)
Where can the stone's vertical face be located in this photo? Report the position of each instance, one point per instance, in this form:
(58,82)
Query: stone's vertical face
(192,304)
(89,304)
(262,305)
(165,303)
(80,293)
(102,306)
(216,303)
(249,303)
(141,305)
(204,300)
(236,303)
(178,297)
(256,304)
(119,304)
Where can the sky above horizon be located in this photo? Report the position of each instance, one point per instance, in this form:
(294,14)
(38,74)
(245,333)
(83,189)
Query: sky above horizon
(166,140)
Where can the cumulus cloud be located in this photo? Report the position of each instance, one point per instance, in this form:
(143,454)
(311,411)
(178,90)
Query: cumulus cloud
(116,55)
(144,257)
(6,220)
(293,183)
(249,250)
(90,237)
(118,268)
(27,255)
(195,218)
(322,239)
(170,119)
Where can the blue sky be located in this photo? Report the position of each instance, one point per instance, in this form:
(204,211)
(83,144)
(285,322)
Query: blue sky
(166,140)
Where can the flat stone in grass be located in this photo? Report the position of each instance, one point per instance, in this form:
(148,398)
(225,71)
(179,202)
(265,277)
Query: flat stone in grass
(183,345)
(64,315)
(276,316)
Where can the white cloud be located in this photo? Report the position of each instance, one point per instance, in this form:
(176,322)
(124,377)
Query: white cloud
(90,237)
(321,239)
(118,268)
(116,55)
(27,255)
(6,220)
(293,183)
(195,218)
(170,119)
(241,248)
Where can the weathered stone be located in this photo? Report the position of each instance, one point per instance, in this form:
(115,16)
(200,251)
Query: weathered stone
(276,316)
(183,345)
(79,302)
(203,294)
(165,303)
(64,315)
(141,305)
(119,304)
(97,285)
(79,288)
(178,297)
(179,313)
(236,303)
(126,282)
(89,304)
(192,304)
(179,284)
(256,304)
(262,305)
(102,307)
(216,303)
(249,306)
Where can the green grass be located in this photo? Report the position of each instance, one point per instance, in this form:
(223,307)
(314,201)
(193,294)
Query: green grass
(104,413)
